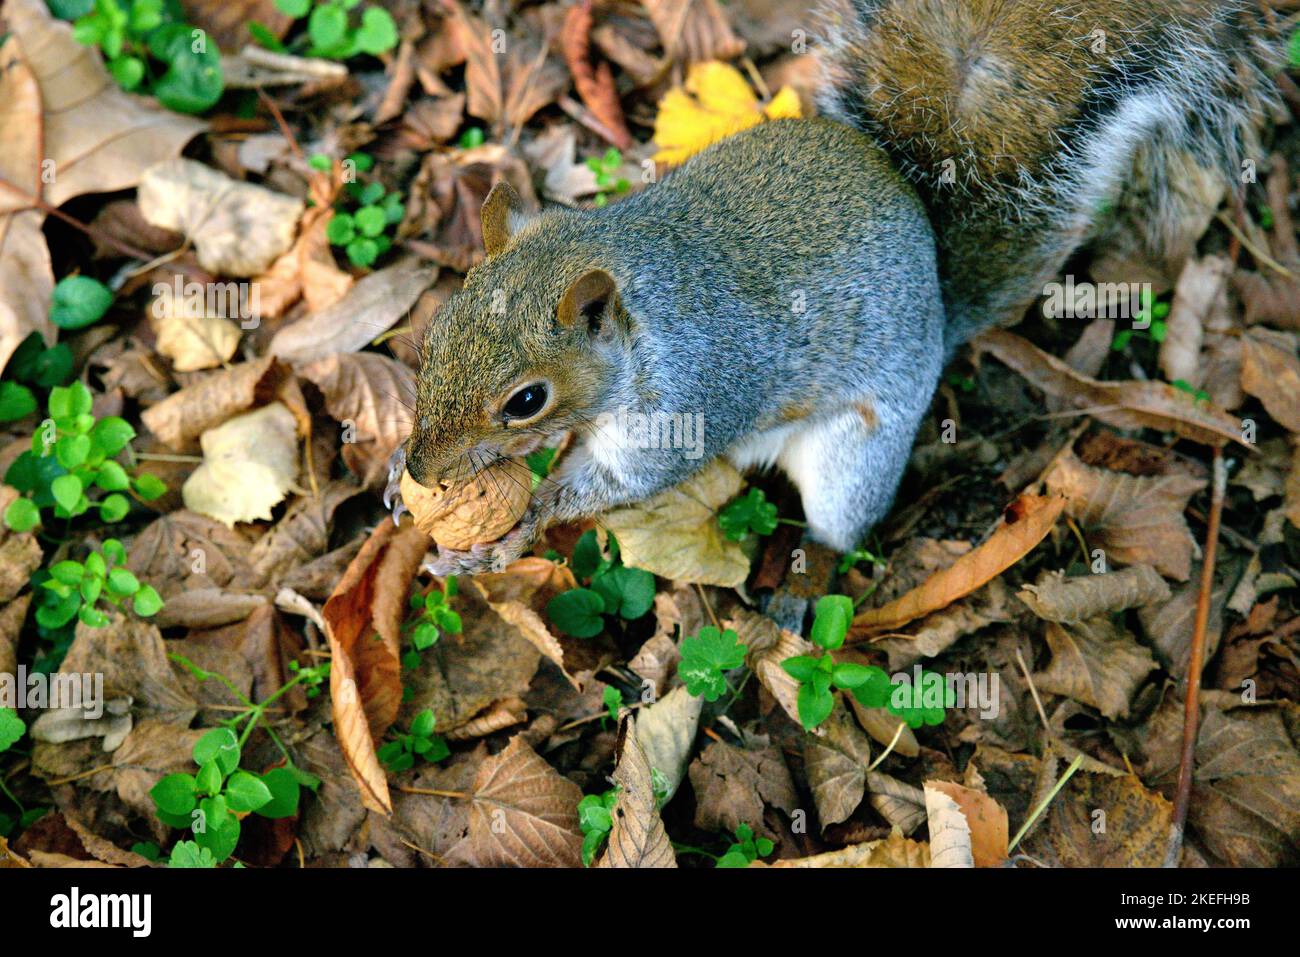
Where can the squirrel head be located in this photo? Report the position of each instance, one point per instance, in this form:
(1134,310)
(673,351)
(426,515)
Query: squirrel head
(526,351)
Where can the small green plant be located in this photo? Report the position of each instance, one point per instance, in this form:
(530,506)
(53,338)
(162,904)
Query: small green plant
(818,674)
(749,514)
(32,367)
(471,138)
(612,589)
(858,555)
(432,616)
(1199,395)
(190,854)
(746,849)
(212,802)
(364,231)
(148,850)
(606,166)
(331,33)
(419,741)
(613,701)
(148,48)
(78,587)
(539,465)
(12,728)
(1151,316)
(596,818)
(706,658)
(72,456)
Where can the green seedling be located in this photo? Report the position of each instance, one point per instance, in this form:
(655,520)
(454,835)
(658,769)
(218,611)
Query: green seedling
(612,589)
(332,33)
(613,701)
(746,849)
(432,616)
(749,514)
(596,818)
(606,167)
(76,589)
(706,658)
(471,138)
(72,458)
(211,803)
(1150,313)
(32,367)
(363,230)
(1199,395)
(857,556)
(419,741)
(149,49)
(818,674)
(190,854)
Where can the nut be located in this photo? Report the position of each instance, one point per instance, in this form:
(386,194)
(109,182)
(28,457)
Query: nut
(481,510)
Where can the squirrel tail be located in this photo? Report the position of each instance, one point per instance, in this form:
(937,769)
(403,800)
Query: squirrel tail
(1029,126)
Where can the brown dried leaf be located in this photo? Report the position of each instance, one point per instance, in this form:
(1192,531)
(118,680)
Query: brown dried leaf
(523,813)
(1135,520)
(637,837)
(986,821)
(301,535)
(675,534)
(902,805)
(768,645)
(732,784)
(1136,831)
(307,270)
(893,851)
(694,30)
(1026,522)
(595,83)
(238,229)
(1070,600)
(1095,663)
(20,552)
(1125,405)
(1200,298)
(249,463)
(666,732)
(836,764)
(1270,372)
(506,90)
(181,418)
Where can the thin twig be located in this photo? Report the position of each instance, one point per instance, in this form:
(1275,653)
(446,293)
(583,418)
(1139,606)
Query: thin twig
(1195,661)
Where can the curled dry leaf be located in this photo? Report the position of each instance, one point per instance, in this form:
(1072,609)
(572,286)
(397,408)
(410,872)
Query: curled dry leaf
(1134,519)
(950,837)
(1200,299)
(1026,522)
(1270,372)
(1125,405)
(1095,663)
(367,393)
(187,334)
(768,645)
(637,837)
(58,104)
(595,83)
(365,675)
(520,595)
(666,732)
(238,229)
(482,509)
(249,463)
(308,269)
(1057,598)
(506,90)
(985,818)
(523,813)
(675,534)
(902,805)
(498,715)
(694,30)
(369,309)
(181,418)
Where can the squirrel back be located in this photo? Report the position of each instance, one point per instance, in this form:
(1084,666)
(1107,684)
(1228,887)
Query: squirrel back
(1026,125)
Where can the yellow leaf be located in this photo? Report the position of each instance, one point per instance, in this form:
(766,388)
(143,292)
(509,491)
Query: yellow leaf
(715,103)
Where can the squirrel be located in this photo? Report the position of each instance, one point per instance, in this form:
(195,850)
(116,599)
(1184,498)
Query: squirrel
(797,288)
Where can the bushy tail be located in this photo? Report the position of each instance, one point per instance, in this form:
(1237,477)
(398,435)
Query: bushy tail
(1018,121)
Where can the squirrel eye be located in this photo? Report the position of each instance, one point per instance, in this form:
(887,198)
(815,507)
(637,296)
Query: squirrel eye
(526,403)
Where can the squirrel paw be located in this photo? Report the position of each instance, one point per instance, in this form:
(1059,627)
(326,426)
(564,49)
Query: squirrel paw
(393,490)
(489,556)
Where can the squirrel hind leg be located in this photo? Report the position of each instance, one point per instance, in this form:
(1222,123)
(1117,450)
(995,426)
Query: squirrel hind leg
(847,469)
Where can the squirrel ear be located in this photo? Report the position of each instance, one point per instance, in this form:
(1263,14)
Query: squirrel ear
(501,215)
(586,298)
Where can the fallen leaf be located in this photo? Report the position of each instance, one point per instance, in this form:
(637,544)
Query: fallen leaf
(902,805)
(666,733)
(238,229)
(523,813)
(301,535)
(1125,405)
(716,102)
(1102,820)
(694,30)
(732,785)
(1270,372)
(986,822)
(950,835)
(836,765)
(369,309)
(1057,598)
(1200,297)
(188,335)
(1095,663)
(768,644)
(58,104)
(181,418)
(893,851)
(637,837)
(249,463)
(1026,522)
(675,534)
(506,88)
(595,83)
(1134,520)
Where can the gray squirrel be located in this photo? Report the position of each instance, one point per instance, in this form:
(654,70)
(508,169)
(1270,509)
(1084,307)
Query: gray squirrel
(797,287)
